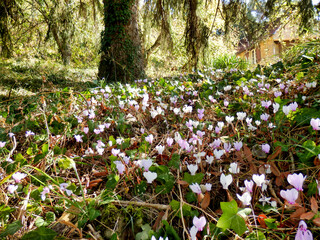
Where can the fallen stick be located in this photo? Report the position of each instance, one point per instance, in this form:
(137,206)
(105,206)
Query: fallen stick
(142,204)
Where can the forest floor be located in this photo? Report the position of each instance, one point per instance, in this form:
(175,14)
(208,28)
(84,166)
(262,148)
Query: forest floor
(214,154)
(27,77)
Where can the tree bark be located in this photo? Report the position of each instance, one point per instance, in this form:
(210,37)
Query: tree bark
(6,46)
(121,55)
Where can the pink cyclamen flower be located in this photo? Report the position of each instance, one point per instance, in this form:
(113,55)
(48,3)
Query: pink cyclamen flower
(120,166)
(237,145)
(44,192)
(249,185)
(259,179)
(225,180)
(266,104)
(265,147)
(303,233)
(29,133)
(78,138)
(293,106)
(169,141)
(63,187)
(192,168)
(115,151)
(199,223)
(296,180)
(315,123)
(264,117)
(291,195)
(146,163)
(195,187)
(12,188)
(149,138)
(2,144)
(18,176)
(193,233)
(150,176)
(245,198)
(200,113)
(85,130)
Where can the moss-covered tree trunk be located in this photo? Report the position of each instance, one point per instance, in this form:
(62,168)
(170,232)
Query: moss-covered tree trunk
(121,58)
(6,46)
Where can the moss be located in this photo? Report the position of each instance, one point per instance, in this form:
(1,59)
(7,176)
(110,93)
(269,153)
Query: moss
(125,221)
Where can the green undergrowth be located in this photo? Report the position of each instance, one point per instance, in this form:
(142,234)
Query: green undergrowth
(28,76)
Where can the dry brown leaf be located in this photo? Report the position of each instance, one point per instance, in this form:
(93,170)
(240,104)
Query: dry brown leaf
(274,169)
(275,153)
(158,221)
(200,198)
(100,174)
(298,213)
(279,181)
(307,215)
(314,205)
(206,201)
(316,221)
(248,153)
(183,183)
(94,183)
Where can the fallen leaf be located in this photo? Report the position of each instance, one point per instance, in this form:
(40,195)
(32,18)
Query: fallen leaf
(314,205)
(261,219)
(183,183)
(158,221)
(94,183)
(279,180)
(274,169)
(205,201)
(307,215)
(316,221)
(298,213)
(100,174)
(248,153)
(275,153)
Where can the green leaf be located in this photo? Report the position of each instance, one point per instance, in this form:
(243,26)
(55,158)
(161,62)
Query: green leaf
(93,214)
(312,188)
(45,148)
(197,178)
(112,181)
(267,208)
(238,225)
(229,207)
(171,233)
(114,236)
(191,197)
(66,163)
(50,217)
(256,236)
(270,222)
(40,222)
(175,161)
(19,158)
(41,233)
(11,229)
(144,235)
(224,221)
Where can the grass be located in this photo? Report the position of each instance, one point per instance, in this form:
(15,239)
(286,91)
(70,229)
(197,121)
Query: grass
(26,77)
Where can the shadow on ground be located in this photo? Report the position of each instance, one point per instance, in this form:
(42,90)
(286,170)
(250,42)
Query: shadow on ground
(26,77)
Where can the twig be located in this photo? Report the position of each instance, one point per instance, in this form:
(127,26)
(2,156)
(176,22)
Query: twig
(142,204)
(292,161)
(181,210)
(95,234)
(14,148)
